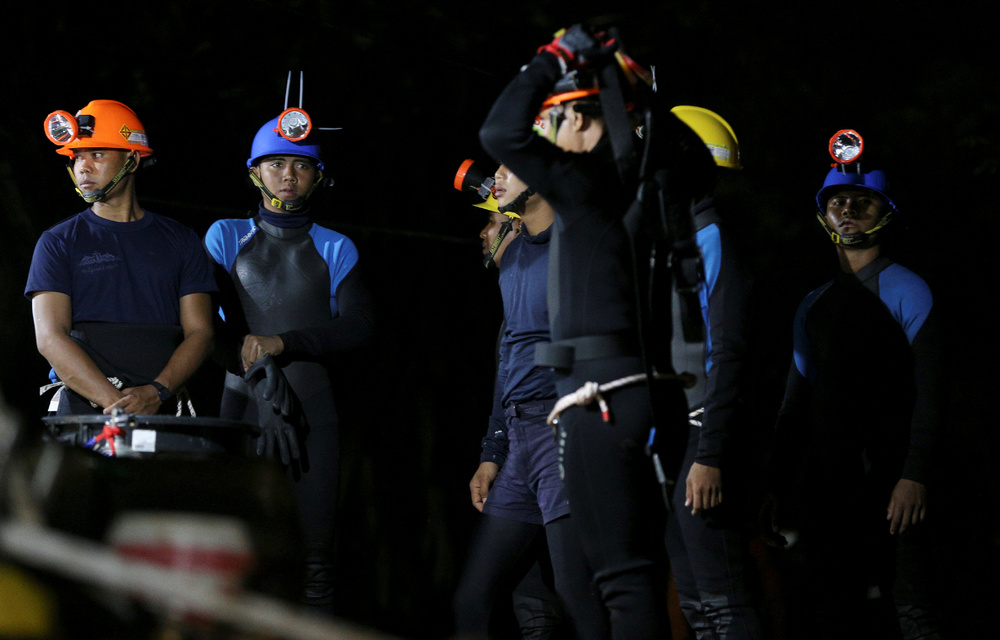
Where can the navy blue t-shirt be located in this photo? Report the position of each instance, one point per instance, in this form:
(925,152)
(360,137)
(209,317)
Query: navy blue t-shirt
(127,272)
(524,287)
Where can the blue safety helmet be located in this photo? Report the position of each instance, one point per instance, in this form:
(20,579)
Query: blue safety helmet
(852,176)
(268,142)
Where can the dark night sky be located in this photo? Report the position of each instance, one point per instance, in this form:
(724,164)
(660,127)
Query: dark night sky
(410,83)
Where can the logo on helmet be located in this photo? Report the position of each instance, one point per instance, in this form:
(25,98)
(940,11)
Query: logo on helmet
(133,136)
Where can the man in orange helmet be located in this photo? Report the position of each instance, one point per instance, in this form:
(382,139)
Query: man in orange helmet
(119,295)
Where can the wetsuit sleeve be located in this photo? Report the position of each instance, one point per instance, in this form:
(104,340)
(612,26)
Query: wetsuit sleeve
(791,431)
(228,322)
(728,287)
(495,444)
(351,329)
(507,132)
(928,410)
(911,303)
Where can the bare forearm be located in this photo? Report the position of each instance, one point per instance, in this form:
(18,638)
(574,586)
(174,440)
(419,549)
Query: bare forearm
(75,368)
(189,355)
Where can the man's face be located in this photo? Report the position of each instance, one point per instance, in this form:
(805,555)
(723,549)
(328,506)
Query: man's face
(490,231)
(93,169)
(507,186)
(287,177)
(853,211)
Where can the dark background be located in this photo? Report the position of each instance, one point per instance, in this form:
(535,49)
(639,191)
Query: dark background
(410,83)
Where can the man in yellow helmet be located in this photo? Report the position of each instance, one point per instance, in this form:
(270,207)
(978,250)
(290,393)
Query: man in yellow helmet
(119,295)
(518,487)
(705,541)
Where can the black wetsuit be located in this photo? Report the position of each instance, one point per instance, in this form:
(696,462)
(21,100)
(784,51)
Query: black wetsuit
(303,284)
(709,551)
(861,409)
(610,481)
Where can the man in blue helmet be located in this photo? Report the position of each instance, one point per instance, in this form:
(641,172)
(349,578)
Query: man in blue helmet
(293,299)
(120,295)
(856,431)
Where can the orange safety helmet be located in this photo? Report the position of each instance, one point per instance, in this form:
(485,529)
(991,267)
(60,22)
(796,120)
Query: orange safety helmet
(102,124)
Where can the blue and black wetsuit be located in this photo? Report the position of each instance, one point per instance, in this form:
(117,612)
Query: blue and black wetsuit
(708,551)
(302,283)
(861,410)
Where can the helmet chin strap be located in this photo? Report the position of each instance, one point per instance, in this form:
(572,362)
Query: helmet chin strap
(489,260)
(286,205)
(518,204)
(99,195)
(859,240)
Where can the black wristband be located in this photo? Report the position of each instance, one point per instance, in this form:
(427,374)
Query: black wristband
(164,393)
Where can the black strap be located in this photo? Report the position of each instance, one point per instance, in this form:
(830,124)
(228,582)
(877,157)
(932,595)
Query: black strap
(562,354)
(616,121)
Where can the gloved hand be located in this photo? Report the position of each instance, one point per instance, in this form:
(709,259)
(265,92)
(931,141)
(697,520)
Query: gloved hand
(277,408)
(575,46)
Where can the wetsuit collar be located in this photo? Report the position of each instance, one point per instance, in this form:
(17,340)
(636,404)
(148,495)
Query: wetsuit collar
(871,270)
(281,232)
(284,220)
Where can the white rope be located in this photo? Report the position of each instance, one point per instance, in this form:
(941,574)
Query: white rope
(694,417)
(591,391)
(182,395)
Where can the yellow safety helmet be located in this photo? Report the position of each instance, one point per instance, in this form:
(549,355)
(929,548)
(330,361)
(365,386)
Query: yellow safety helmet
(469,179)
(714,131)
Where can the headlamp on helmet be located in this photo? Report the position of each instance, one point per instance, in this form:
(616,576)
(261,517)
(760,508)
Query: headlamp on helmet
(846,147)
(472,179)
(102,124)
(294,124)
(287,135)
(62,128)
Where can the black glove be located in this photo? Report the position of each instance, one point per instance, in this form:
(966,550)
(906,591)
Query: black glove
(576,45)
(278,410)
